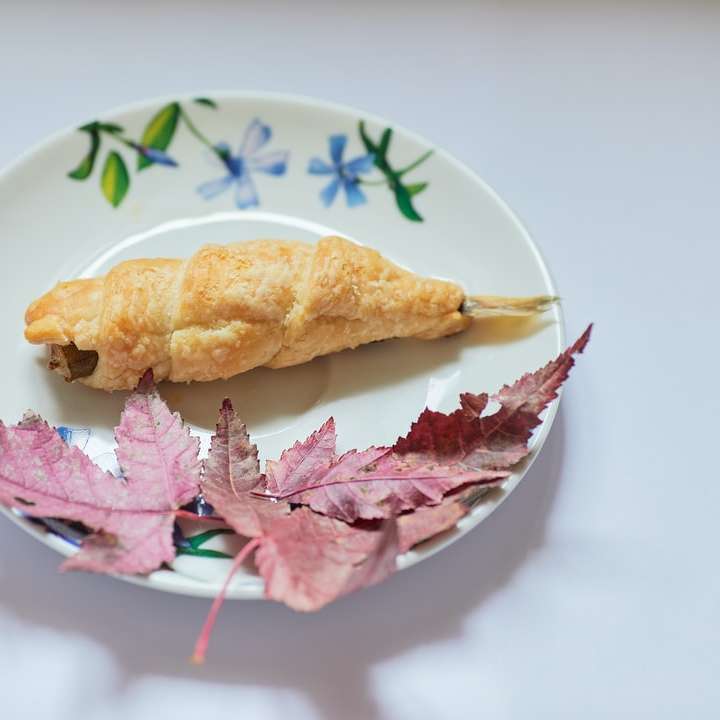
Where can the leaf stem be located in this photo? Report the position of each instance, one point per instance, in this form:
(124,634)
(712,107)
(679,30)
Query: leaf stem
(198,656)
(490,477)
(190,125)
(415,164)
(373,182)
(121,139)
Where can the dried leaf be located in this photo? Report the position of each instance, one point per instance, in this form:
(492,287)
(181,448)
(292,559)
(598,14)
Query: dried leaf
(301,464)
(156,451)
(308,560)
(441,452)
(231,471)
(134,516)
(505,434)
(373,484)
(129,543)
(426,522)
(389,484)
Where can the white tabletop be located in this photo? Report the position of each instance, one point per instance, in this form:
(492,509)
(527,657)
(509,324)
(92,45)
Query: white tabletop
(594,591)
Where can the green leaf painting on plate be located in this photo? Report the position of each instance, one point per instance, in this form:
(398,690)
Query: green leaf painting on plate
(353,177)
(151,149)
(110,127)
(115,180)
(384,143)
(403,193)
(206,101)
(193,545)
(350,174)
(159,132)
(416,188)
(404,202)
(85,168)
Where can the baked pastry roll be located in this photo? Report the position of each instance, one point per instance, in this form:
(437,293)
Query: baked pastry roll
(231,308)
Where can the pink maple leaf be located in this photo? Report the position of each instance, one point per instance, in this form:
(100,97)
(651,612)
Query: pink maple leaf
(306,559)
(428,521)
(441,452)
(133,516)
(372,484)
(231,471)
(303,462)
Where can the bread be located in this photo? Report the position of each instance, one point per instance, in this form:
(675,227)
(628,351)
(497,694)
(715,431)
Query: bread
(231,308)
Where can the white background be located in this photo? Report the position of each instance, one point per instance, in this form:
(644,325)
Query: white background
(594,591)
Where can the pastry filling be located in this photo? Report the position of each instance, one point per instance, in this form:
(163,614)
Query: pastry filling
(71,362)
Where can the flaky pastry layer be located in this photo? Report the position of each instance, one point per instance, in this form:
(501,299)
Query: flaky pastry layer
(231,308)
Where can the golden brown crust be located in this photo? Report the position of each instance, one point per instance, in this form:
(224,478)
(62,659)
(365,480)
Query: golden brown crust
(67,313)
(231,308)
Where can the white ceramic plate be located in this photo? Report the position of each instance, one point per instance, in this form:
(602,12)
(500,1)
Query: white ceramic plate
(446,223)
